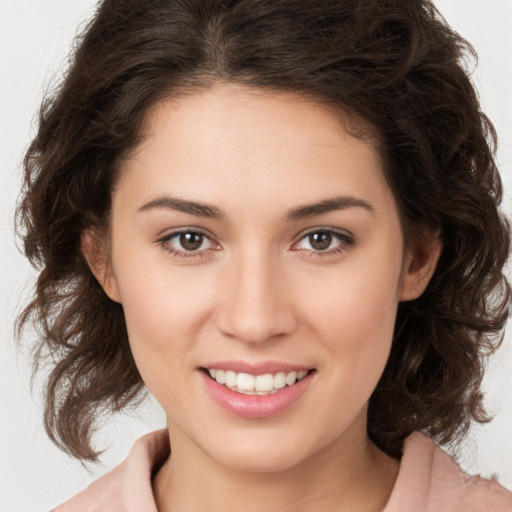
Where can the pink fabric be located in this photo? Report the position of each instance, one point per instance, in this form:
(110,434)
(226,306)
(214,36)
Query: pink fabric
(127,488)
(428,481)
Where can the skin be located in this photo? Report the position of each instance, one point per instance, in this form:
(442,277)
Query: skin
(258,290)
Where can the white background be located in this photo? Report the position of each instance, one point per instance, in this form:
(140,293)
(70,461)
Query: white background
(35,36)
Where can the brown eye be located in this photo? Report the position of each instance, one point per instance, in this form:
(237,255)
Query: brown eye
(320,240)
(191,241)
(324,243)
(188,244)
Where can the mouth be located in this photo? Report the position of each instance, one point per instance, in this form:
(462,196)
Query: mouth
(260,385)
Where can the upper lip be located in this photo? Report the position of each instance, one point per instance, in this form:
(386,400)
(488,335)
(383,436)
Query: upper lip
(256,368)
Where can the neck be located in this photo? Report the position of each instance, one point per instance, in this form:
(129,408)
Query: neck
(348,474)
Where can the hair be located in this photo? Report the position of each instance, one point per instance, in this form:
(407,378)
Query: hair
(393,65)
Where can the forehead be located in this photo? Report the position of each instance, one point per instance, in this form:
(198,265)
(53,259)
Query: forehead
(250,107)
(230,140)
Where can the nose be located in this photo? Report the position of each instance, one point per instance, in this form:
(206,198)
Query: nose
(254,302)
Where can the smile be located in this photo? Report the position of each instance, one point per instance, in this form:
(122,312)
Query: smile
(247,384)
(268,390)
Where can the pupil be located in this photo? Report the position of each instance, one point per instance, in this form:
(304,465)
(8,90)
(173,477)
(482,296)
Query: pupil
(320,240)
(191,241)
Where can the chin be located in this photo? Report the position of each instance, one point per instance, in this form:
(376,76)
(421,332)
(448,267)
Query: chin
(262,452)
(259,460)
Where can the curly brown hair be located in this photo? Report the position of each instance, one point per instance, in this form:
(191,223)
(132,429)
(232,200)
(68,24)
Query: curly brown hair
(392,65)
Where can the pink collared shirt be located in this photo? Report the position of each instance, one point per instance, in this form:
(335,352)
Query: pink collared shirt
(429,480)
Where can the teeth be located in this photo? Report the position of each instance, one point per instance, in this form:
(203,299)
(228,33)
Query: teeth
(290,378)
(220,376)
(245,381)
(264,382)
(280,380)
(248,384)
(230,379)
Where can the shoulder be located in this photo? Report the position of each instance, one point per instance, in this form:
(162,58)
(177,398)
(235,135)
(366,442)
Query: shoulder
(127,488)
(430,480)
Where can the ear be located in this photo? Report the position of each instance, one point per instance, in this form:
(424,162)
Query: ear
(419,265)
(96,254)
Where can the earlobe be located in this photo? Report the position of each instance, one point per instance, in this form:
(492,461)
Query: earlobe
(97,257)
(419,265)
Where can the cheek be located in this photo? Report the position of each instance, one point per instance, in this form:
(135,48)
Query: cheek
(362,297)
(165,309)
(158,311)
(159,339)
(354,316)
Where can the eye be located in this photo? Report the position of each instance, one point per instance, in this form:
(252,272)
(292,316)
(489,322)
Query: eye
(319,241)
(187,243)
(190,241)
(324,242)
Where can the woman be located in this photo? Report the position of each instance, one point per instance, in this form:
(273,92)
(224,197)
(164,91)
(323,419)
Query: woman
(281,218)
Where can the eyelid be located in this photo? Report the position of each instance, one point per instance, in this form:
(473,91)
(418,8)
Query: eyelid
(341,233)
(163,240)
(346,241)
(166,234)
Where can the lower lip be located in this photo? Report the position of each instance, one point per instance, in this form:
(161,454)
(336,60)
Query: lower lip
(256,406)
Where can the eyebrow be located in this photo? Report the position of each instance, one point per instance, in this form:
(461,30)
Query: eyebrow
(184,206)
(328,205)
(301,212)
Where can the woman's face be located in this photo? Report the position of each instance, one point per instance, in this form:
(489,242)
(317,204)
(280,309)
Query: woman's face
(253,236)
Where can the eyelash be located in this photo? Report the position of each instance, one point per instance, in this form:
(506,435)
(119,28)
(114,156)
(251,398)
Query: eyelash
(345,242)
(165,243)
